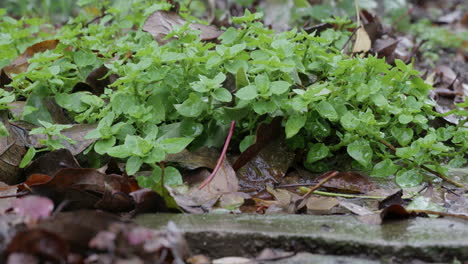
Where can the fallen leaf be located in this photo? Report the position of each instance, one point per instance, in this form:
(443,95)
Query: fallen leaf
(321,205)
(33,207)
(351,182)
(51,162)
(362,42)
(11,154)
(354,208)
(78,227)
(269,166)
(7,190)
(21,64)
(161,23)
(46,245)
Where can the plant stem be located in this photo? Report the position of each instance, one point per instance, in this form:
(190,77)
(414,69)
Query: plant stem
(221,157)
(344,195)
(424,167)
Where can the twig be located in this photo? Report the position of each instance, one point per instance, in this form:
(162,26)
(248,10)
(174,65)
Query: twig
(301,202)
(424,167)
(318,185)
(344,195)
(221,157)
(461,216)
(443,177)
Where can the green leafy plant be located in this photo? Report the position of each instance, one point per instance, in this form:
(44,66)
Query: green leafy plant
(184,94)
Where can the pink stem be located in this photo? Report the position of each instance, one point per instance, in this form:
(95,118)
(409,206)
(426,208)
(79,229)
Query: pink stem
(221,158)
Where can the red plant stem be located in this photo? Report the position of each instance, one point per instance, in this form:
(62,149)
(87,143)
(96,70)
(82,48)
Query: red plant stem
(221,157)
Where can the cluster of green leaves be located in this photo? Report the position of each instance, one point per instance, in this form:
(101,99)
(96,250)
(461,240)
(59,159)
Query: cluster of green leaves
(184,94)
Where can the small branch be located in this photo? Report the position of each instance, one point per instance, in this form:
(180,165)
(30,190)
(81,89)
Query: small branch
(344,195)
(443,177)
(301,202)
(424,167)
(461,216)
(318,185)
(221,157)
(387,144)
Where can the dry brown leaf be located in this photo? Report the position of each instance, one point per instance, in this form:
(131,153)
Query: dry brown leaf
(161,23)
(21,63)
(363,42)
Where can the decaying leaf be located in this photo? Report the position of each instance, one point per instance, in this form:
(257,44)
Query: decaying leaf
(21,63)
(40,243)
(161,23)
(223,189)
(352,182)
(363,41)
(11,154)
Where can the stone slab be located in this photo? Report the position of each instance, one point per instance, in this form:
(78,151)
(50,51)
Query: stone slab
(218,235)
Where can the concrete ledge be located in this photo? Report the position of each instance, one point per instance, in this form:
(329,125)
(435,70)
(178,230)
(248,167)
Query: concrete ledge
(435,240)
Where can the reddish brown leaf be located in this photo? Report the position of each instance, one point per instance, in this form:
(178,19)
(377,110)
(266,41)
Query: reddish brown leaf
(21,63)
(393,199)
(50,163)
(41,243)
(351,182)
(89,188)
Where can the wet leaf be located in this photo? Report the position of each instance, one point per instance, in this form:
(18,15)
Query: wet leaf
(352,182)
(265,134)
(269,166)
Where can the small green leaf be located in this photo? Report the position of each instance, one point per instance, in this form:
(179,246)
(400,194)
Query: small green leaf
(246,142)
(361,151)
(384,168)
(241,78)
(172,176)
(84,58)
(349,121)
(133,165)
(408,178)
(28,157)
(120,151)
(175,145)
(294,124)
(402,135)
(327,110)
(279,87)
(3,130)
(407,152)
(192,107)
(222,94)
(157,154)
(103,145)
(405,119)
(249,92)
(317,152)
